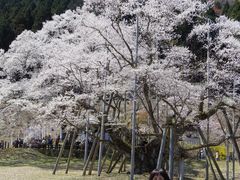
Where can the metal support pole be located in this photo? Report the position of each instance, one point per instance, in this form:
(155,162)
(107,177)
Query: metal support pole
(171,153)
(233,125)
(61,134)
(227,159)
(125,106)
(161,151)
(208,78)
(86,139)
(134,109)
(43,132)
(133,132)
(181,169)
(11,139)
(158,109)
(101,137)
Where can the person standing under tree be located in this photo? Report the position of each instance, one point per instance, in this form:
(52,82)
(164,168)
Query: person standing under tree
(217,156)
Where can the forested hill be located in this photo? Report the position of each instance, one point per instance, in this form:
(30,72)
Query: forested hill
(232,11)
(17,15)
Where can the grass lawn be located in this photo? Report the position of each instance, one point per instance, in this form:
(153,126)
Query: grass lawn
(28,164)
(196,169)
(36,173)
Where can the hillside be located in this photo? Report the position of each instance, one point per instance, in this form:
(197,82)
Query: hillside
(18,15)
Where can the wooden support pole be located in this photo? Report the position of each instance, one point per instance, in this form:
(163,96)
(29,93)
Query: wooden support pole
(115,163)
(125,165)
(211,167)
(70,151)
(61,152)
(210,154)
(105,158)
(93,158)
(111,161)
(122,164)
(161,150)
(90,155)
(209,160)
(232,138)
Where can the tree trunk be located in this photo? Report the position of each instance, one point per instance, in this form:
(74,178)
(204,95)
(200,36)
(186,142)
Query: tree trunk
(145,156)
(150,108)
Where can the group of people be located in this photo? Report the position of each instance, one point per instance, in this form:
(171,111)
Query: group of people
(1,144)
(45,142)
(18,143)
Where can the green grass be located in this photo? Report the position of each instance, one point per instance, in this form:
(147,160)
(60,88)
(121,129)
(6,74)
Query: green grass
(29,164)
(22,157)
(34,173)
(196,169)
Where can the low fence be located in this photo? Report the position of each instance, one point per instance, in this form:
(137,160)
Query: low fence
(4,144)
(78,151)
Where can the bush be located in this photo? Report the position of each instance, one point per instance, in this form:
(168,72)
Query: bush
(221,150)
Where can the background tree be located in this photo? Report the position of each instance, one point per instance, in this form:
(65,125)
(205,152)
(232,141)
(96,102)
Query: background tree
(17,16)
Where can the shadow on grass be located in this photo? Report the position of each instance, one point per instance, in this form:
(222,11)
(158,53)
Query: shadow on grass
(194,168)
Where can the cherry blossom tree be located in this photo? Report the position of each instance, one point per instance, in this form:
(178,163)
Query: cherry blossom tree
(63,71)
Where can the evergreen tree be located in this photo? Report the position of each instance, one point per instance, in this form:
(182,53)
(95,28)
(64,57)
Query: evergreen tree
(234,11)
(18,15)
(6,34)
